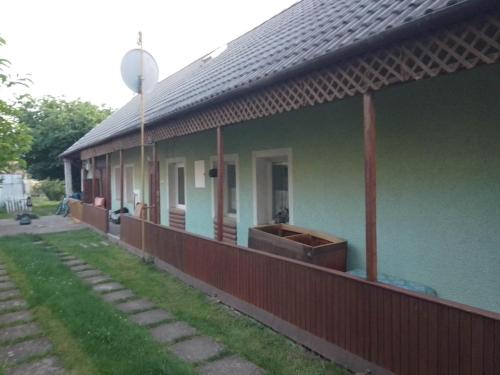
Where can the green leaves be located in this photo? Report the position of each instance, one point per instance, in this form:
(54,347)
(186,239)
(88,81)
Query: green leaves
(55,124)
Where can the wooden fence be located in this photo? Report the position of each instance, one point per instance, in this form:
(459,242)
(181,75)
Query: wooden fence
(95,216)
(399,331)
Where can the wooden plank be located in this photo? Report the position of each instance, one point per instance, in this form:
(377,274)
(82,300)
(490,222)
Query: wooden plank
(477,341)
(443,340)
(413,315)
(465,344)
(454,343)
(396,333)
(497,348)
(370,186)
(423,334)
(432,337)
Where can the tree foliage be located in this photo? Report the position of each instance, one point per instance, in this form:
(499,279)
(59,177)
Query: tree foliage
(55,125)
(15,138)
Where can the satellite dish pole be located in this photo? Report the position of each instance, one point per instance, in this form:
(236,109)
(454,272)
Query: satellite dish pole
(140,73)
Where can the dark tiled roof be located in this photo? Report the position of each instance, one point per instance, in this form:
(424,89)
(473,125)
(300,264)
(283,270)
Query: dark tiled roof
(297,37)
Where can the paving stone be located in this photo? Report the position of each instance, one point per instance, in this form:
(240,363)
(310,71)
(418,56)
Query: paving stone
(2,266)
(37,242)
(104,243)
(94,244)
(118,296)
(12,304)
(84,246)
(24,350)
(168,333)
(150,317)
(45,366)
(67,258)
(136,305)
(9,294)
(197,349)
(75,262)
(81,267)
(107,287)
(233,365)
(96,279)
(16,317)
(7,285)
(18,332)
(3,272)
(89,273)
(4,278)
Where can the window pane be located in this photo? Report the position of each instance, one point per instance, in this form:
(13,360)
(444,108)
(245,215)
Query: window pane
(231,188)
(129,184)
(280,192)
(180,186)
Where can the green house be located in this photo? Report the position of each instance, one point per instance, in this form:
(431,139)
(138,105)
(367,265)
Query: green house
(317,117)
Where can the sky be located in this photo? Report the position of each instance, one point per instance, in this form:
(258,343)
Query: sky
(74,48)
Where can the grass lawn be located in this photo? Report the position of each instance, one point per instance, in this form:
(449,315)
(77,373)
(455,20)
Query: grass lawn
(93,338)
(41,206)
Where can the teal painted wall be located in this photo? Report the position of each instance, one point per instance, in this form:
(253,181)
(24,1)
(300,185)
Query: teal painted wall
(438,179)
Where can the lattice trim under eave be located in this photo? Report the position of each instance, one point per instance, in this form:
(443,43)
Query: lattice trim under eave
(463,46)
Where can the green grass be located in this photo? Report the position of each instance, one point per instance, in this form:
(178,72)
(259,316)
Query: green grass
(239,334)
(41,206)
(89,335)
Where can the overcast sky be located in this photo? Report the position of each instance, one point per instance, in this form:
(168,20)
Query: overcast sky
(74,48)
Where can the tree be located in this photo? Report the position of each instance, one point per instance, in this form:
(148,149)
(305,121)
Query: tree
(55,125)
(15,138)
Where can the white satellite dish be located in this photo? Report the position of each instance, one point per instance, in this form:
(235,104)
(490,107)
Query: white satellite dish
(132,70)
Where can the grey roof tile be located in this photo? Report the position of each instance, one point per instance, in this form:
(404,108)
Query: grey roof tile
(296,37)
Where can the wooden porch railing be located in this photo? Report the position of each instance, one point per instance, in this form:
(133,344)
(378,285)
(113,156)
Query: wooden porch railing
(399,331)
(95,216)
(76,209)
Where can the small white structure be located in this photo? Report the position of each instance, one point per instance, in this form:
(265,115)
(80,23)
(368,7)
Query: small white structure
(12,192)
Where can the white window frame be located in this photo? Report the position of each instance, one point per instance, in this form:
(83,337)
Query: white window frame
(175,163)
(233,159)
(273,153)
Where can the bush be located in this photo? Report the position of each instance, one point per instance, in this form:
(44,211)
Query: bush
(53,189)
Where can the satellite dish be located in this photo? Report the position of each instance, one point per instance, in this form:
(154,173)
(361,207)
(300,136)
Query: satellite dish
(131,70)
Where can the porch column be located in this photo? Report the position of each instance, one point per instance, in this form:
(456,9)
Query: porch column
(68,183)
(220,185)
(121,181)
(370,186)
(82,178)
(93,181)
(107,188)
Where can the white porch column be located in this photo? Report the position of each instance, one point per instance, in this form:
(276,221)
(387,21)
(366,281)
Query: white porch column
(67,178)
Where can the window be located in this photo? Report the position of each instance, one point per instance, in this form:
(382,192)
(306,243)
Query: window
(117,184)
(129,184)
(231,189)
(176,182)
(272,186)
(180,185)
(279,188)
(230,186)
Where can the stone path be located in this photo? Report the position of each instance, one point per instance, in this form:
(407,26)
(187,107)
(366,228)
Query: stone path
(23,348)
(45,224)
(210,357)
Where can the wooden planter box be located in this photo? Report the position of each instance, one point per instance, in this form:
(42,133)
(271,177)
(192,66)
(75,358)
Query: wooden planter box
(299,243)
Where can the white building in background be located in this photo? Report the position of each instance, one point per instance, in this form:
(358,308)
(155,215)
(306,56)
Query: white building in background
(14,189)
